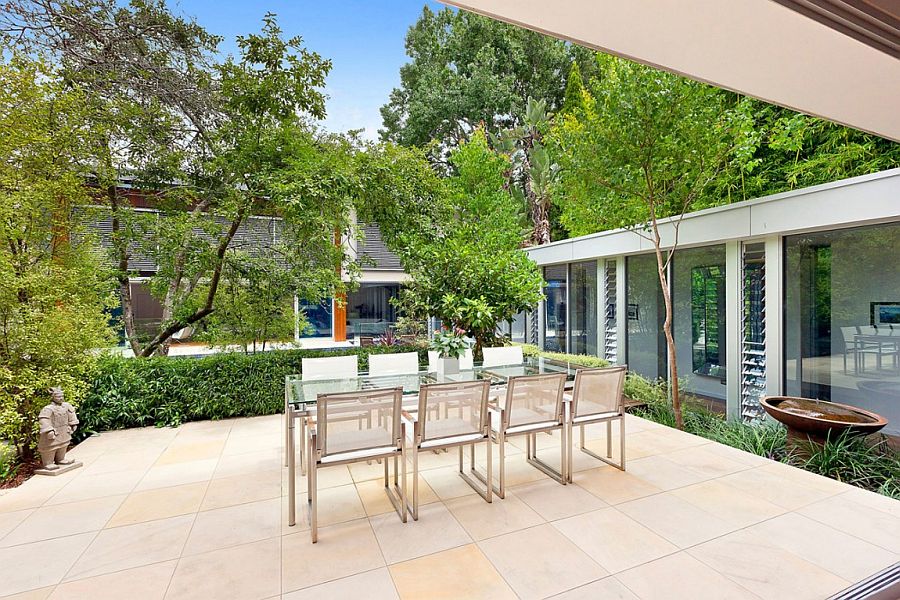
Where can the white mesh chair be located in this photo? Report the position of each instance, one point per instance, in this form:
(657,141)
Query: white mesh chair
(405,363)
(533,404)
(333,440)
(448,415)
(502,356)
(598,398)
(316,369)
(331,367)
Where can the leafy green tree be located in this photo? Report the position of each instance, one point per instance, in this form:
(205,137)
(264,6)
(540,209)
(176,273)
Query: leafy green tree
(532,171)
(646,147)
(54,290)
(211,140)
(467,70)
(255,304)
(467,267)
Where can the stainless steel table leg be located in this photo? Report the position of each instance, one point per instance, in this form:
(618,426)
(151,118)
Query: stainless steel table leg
(292,472)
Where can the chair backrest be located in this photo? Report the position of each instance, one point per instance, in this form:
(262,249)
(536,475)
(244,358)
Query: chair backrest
(449,410)
(868,330)
(332,367)
(502,356)
(534,399)
(599,391)
(402,363)
(466,361)
(847,333)
(378,424)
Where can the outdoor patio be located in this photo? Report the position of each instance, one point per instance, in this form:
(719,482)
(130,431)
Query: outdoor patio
(200,512)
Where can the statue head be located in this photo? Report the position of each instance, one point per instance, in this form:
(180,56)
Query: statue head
(56,394)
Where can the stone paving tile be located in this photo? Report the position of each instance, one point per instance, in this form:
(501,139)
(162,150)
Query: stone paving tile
(201,511)
(133,546)
(463,572)
(614,540)
(539,561)
(59,520)
(21,568)
(243,572)
(371,585)
(143,583)
(766,570)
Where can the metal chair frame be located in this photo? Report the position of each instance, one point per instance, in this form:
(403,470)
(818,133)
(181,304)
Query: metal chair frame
(420,426)
(558,423)
(608,418)
(317,451)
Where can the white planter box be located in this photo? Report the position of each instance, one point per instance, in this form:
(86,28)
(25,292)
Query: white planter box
(447,366)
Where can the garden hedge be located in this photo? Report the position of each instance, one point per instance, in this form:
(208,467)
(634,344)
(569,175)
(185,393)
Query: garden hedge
(129,392)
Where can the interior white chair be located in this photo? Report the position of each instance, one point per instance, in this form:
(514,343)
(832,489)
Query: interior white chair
(502,356)
(466,361)
(333,440)
(315,369)
(524,411)
(448,415)
(404,363)
(851,346)
(598,397)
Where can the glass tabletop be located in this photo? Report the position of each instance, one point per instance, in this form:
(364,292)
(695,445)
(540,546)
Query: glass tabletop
(305,392)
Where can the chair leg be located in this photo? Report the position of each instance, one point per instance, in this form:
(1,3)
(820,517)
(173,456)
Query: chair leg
(490,472)
(313,504)
(609,439)
(569,440)
(403,506)
(502,492)
(415,503)
(563,459)
(622,441)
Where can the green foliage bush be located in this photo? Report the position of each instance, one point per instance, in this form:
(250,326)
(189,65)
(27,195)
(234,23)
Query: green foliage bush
(584,360)
(169,391)
(874,466)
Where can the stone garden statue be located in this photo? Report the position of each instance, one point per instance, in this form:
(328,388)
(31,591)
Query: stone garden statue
(58,422)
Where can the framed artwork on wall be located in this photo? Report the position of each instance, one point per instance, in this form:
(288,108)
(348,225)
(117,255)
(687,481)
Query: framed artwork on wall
(885,313)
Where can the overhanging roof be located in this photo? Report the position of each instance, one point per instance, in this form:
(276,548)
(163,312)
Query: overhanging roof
(832,64)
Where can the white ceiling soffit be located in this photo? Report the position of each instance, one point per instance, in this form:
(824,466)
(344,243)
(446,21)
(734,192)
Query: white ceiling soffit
(756,47)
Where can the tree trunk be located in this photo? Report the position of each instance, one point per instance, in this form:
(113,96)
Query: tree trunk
(667,329)
(120,247)
(178,324)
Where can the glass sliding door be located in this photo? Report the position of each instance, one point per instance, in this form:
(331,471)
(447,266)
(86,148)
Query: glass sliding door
(698,294)
(842,318)
(646,344)
(555,308)
(370,310)
(583,307)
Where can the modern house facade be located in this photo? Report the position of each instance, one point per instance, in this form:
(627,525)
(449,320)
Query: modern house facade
(792,294)
(366,310)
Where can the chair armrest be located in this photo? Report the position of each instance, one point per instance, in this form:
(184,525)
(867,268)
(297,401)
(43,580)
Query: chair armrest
(409,416)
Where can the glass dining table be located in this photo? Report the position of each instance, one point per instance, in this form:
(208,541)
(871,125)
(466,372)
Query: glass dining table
(301,396)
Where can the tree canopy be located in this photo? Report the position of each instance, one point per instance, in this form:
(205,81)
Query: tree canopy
(467,70)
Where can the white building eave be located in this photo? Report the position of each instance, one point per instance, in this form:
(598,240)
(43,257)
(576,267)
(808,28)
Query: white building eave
(862,200)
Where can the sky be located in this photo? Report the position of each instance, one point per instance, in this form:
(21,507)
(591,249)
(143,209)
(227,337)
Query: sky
(364,40)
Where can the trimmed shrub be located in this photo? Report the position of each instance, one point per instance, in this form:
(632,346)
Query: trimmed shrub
(128,392)
(584,360)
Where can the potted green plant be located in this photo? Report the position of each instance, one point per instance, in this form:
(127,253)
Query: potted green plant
(450,345)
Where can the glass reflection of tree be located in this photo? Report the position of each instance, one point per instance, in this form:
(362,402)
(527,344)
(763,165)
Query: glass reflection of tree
(707,314)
